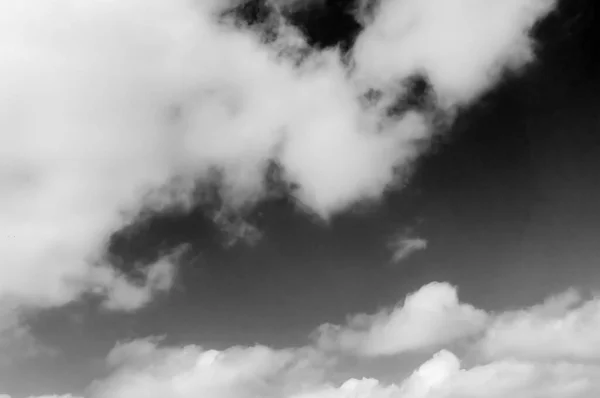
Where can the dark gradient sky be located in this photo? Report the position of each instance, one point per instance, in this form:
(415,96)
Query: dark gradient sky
(507,199)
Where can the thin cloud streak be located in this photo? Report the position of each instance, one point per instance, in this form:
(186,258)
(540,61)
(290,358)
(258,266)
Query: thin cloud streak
(404,247)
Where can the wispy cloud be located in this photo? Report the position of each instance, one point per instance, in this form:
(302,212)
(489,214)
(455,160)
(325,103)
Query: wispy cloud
(403,247)
(563,327)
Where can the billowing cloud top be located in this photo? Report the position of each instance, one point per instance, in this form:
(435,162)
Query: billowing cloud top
(429,317)
(563,327)
(146,368)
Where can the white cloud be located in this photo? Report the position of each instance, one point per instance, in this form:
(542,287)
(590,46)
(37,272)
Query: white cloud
(123,295)
(145,370)
(89,90)
(404,246)
(563,327)
(55,396)
(105,100)
(141,369)
(463,46)
(443,377)
(430,317)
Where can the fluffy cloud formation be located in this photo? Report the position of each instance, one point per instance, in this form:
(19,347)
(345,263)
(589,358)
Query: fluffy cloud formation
(443,377)
(105,100)
(429,317)
(563,327)
(44,396)
(143,369)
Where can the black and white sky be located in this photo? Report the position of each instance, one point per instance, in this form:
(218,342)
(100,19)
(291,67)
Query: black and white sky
(299,199)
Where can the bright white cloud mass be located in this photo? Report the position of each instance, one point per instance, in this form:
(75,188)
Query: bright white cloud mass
(145,368)
(429,317)
(104,101)
(564,326)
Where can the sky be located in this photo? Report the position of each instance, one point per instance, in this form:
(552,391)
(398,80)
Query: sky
(299,199)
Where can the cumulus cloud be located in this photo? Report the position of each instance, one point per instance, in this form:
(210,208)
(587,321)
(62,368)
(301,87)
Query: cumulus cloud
(55,396)
(429,317)
(143,369)
(563,327)
(443,377)
(148,368)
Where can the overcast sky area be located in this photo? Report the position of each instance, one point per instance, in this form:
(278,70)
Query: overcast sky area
(299,199)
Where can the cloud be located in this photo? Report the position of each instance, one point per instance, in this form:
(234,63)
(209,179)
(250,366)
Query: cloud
(429,317)
(143,369)
(443,377)
(104,101)
(16,339)
(462,46)
(122,295)
(403,247)
(563,327)
(44,396)
(148,368)
(55,396)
